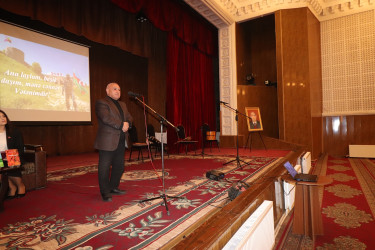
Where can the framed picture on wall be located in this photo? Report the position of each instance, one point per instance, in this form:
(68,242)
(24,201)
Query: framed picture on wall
(254,123)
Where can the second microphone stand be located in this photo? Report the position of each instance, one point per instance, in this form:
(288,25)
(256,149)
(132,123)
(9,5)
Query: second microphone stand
(203,140)
(163,195)
(238,160)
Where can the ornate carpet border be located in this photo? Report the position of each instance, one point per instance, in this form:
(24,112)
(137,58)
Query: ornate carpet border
(177,227)
(76,234)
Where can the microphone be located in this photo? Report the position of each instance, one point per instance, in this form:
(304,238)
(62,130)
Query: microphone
(223,102)
(134,94)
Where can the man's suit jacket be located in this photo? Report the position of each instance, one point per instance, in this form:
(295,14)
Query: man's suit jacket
(255,126)
(110,123)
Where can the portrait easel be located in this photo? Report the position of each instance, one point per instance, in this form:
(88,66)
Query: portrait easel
(254,123)
(249,136)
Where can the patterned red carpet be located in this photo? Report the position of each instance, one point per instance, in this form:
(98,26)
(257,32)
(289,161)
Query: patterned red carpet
(348,207)
(69,213)
(71,161)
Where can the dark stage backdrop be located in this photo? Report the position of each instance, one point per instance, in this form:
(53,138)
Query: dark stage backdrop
(107,63)
(105,23)
(191,46)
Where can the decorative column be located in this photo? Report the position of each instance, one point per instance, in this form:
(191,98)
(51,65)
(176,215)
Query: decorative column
(228,78)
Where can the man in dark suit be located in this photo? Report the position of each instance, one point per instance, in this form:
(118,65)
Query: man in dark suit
(254,123)
(114,121)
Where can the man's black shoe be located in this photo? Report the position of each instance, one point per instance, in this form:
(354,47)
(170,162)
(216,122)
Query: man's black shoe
(117,191)
(106,197)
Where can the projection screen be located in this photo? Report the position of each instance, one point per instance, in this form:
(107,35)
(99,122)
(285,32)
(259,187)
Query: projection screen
(43,78)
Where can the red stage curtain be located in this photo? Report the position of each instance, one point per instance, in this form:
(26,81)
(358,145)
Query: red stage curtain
(190,89)
(168,15)
(190,82)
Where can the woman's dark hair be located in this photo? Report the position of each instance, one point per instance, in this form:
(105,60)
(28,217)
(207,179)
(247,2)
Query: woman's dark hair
(8,125)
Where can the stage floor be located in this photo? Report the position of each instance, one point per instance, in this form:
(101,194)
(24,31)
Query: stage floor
(70,208)
(55,163)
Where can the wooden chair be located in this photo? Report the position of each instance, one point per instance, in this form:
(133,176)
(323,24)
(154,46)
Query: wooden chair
(184,140)
(135,144)
(209,136)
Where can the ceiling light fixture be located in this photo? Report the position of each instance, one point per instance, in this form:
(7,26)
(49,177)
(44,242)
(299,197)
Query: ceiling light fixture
(141,17)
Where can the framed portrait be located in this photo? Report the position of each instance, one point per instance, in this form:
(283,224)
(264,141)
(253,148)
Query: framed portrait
(254,123)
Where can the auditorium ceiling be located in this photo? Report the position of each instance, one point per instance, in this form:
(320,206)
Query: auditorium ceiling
(222,13)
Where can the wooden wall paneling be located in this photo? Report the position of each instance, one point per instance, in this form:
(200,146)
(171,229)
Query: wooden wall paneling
(256,53)
(341,131)
(294,76)
(315,80)
(299,77)
(315,65)
(354,129)
(280,84)
(367,129)
(317,137)
(327,133)
(48,136)
(273,143)
(266,99)
(335,141)
(76,139)
(361,131)
(263,49)
(243,55)
(230,141)
(69,139)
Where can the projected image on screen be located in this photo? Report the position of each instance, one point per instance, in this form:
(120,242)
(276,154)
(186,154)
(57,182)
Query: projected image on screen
(43,78)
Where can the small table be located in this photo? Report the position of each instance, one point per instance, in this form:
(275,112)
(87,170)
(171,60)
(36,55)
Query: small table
(307,210)
(4,184)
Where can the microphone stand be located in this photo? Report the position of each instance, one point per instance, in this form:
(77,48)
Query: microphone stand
(238,160)
(203,144)
(161,120)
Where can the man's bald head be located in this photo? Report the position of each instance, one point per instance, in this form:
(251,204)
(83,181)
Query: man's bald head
(113,90)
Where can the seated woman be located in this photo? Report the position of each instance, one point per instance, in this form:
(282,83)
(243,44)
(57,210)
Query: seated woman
(10,138)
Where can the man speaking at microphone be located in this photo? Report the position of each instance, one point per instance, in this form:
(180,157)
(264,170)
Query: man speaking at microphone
(114,121)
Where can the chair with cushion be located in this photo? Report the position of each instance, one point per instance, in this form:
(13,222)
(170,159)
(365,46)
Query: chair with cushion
(34,173)
(135,144)
(184,140)
(209,136)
